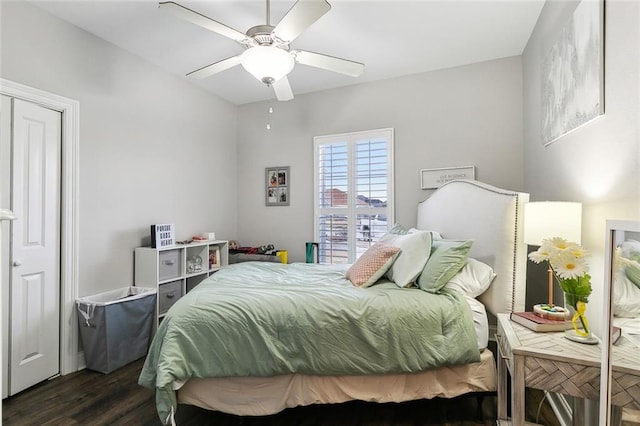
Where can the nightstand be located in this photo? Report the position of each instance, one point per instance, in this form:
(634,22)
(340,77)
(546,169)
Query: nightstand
(550,362)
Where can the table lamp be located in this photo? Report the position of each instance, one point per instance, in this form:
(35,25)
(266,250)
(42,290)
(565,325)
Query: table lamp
(550,219)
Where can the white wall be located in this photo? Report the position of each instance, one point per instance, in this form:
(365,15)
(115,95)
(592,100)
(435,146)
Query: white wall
(469,115)
(599,164)
(153,148)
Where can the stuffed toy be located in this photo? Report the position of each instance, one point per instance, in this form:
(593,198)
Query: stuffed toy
(268,249)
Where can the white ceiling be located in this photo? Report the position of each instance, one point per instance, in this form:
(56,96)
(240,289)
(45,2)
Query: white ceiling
(392,38)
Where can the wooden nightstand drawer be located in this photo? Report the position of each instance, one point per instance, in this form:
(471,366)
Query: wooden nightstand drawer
(504,349)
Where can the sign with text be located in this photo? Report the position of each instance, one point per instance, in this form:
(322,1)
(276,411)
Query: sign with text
(162,235)
(435,178)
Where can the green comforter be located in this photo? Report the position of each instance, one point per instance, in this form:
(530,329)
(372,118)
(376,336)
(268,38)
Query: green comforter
(267,319)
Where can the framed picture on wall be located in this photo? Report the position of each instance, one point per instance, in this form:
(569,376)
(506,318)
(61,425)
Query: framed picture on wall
(277,181)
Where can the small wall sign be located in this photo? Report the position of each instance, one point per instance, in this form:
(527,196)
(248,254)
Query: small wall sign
(435,178)
(163,235)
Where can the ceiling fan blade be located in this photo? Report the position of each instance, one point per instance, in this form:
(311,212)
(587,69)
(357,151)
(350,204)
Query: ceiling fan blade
(215,68)
(205,22)
(330,63)
(299,18)
(283,89)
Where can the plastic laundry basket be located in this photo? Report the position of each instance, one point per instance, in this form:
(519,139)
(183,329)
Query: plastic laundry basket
(115,326)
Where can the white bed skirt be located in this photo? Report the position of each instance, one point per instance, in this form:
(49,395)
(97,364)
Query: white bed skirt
(258,396)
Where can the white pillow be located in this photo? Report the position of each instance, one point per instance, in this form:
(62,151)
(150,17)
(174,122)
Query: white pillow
(414,252)
(473,279)
(625,296)
(435,235)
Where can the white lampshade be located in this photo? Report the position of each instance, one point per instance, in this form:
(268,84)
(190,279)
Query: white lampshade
(267,63)
(549,219)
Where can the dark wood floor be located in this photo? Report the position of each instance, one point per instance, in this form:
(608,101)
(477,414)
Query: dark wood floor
(89,398)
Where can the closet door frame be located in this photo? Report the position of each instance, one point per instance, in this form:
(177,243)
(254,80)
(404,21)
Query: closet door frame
(69,203)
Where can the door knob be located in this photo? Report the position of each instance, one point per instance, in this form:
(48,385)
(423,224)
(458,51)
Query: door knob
(17,263)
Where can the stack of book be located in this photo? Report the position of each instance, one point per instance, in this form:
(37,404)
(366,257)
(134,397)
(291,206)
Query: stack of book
(537,323)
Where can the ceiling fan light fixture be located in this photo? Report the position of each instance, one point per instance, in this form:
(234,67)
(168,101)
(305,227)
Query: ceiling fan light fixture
(267,63)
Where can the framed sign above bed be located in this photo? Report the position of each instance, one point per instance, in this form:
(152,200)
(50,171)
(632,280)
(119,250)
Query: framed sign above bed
(435,178)
(277,191)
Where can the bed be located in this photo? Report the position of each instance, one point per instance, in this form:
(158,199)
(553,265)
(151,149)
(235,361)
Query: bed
(459,210)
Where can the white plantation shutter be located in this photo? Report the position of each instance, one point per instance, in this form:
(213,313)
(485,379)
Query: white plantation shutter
(353,192)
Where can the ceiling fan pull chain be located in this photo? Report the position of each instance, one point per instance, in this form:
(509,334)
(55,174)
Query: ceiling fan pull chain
(268,12)
(269,113)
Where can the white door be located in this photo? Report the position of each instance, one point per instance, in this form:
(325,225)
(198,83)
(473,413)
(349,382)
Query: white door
(5,203)
(35,246)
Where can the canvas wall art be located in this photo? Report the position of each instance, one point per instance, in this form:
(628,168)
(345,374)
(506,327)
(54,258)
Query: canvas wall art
(573,73)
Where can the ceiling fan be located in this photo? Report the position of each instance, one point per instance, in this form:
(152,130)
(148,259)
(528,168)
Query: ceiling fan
(267,54)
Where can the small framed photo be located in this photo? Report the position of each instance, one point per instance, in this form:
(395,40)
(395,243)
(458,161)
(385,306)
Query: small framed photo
(214,257)
(277,192)
(435,178)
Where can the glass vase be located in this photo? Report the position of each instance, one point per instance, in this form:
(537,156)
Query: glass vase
(578,328)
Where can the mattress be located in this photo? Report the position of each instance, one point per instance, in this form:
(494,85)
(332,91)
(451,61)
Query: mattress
(257,396)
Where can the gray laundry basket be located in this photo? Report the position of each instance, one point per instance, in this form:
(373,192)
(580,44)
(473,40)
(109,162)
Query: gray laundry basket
(115,326)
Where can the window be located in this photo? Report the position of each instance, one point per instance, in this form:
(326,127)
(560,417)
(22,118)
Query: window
(353,192)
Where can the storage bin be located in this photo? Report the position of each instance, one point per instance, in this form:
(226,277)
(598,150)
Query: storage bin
(169,294)
(115,326)
(169,264)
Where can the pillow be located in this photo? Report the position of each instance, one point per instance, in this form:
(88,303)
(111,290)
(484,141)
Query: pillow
(633,272)
(473,279)
(631,251)
(414,252)
(401,230)
(435,235)
(398,230)
(446,259)
(372,264)
(625,296)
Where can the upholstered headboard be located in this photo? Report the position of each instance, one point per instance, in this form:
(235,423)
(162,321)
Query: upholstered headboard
(493,218)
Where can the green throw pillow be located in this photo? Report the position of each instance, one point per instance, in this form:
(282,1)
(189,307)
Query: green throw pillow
(398,230)
(447,259)
(633,271)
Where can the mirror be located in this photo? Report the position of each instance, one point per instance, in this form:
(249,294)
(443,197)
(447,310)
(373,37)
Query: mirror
(620,371)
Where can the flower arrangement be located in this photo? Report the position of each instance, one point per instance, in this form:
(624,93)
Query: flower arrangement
(568,262)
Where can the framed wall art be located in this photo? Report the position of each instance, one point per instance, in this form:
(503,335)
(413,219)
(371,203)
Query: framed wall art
(435,178)
(573,73)
(277,181)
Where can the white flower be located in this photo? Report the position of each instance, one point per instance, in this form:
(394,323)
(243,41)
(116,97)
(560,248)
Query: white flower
(539,256)
(567,265)
(567,259)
